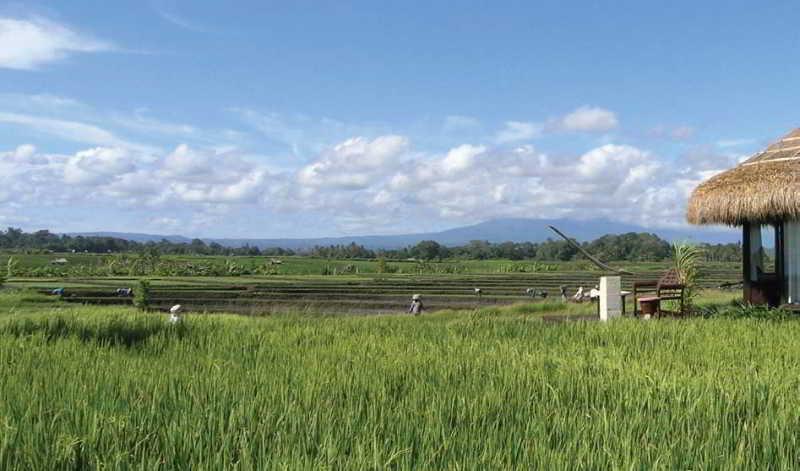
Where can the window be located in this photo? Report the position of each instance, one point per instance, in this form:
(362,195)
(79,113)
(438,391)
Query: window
(791,260)
(762,251)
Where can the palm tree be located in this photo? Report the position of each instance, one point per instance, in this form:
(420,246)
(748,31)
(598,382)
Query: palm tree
(687,258)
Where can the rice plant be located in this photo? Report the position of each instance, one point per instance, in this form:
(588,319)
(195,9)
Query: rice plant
(99,387)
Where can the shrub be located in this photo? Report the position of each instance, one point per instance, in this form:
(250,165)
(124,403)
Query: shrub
(142,296)
(741,310)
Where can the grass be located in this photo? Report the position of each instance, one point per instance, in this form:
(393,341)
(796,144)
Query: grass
(87,387)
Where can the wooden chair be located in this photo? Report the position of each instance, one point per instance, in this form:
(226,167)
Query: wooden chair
(669,287)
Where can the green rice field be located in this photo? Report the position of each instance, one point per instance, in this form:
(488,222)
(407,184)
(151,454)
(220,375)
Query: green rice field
(361,292)
(41,265)
(108,387)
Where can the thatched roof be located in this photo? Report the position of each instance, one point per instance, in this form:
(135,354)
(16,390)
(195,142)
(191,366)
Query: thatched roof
(764,188)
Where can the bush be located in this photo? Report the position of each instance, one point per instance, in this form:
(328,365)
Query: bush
(741,310)
(141,295)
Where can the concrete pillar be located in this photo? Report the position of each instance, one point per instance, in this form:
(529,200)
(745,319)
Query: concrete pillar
(610,297)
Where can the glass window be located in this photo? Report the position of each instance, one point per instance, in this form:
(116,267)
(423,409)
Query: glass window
(762,251)
(791,260)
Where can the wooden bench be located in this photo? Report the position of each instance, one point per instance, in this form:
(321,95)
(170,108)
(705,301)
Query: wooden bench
(667,288)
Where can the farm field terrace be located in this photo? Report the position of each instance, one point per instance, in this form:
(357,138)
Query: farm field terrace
(106,386)
(80,264)
(358,293)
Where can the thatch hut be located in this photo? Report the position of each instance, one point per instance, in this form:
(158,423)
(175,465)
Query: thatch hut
(762,195)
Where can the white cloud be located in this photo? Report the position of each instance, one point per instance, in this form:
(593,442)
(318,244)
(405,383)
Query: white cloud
(24,152)
(71,120)
(357,184)
(301,134)
(70,130)
(607,181)
(583,119)
(708,158)
(461,158)
(97,165)
(210,176)
(515,131)
(185,162)
(354,163)
(27,44)
(609,159)
(587,118)
(116,176)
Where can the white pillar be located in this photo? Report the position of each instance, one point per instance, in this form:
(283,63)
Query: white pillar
(610,297)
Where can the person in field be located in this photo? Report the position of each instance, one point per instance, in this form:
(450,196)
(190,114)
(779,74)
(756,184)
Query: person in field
(175,316)
(416,305)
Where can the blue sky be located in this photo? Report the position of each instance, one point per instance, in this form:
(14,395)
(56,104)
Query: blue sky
(282,119)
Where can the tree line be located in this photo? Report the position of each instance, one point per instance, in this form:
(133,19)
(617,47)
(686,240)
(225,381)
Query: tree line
(633,247)
(622,247)
(44,240)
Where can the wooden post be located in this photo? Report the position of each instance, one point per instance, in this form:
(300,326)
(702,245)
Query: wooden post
(781,283)
(746,261)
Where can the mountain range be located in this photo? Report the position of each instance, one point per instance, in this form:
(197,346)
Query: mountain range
(496,230)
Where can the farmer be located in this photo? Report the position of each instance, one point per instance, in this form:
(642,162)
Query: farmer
(124,292)
(175,316)
(416,305)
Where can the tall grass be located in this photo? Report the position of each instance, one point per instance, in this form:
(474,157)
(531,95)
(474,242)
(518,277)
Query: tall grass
(92,387)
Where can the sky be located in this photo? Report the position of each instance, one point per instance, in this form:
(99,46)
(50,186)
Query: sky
(320,118)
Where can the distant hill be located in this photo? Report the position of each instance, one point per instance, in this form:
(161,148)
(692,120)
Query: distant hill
(497,230)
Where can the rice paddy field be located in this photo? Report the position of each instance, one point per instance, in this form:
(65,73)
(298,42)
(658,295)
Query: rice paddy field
(356,290)
(86,264)
(310,378)
(108,387)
